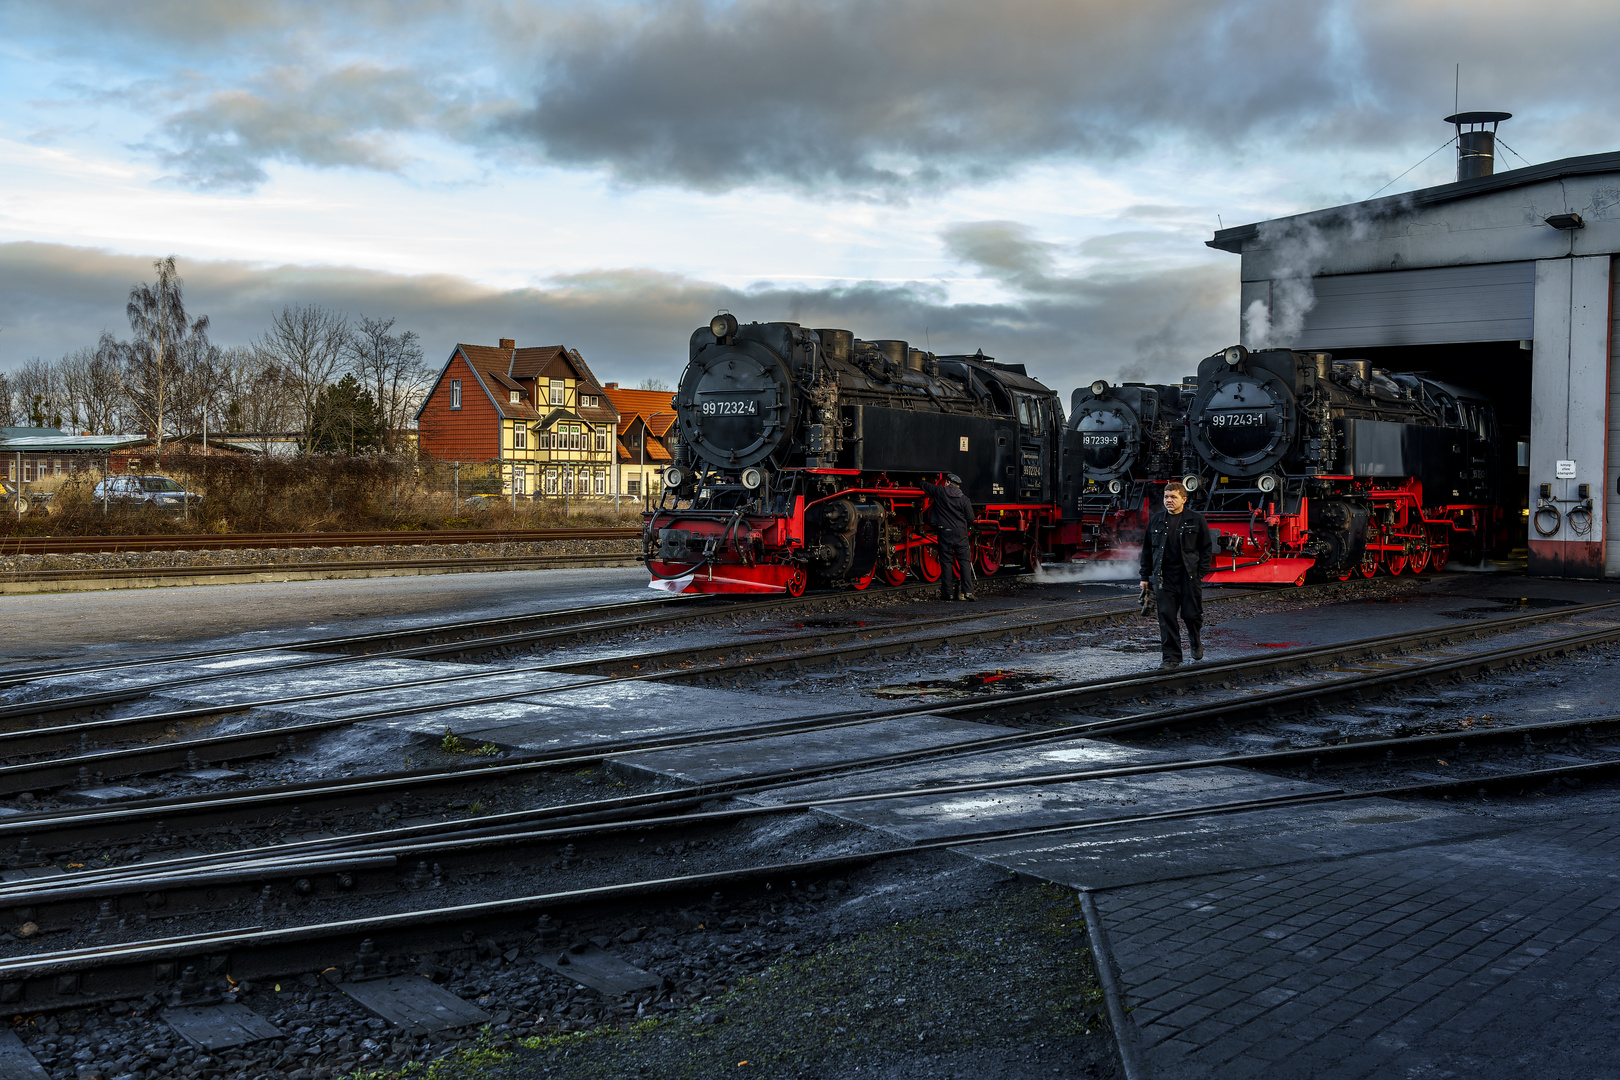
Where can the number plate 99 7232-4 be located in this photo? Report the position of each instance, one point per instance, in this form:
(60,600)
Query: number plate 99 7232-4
(749,407)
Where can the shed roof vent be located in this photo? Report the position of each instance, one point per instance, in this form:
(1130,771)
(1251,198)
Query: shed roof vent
(1476,147)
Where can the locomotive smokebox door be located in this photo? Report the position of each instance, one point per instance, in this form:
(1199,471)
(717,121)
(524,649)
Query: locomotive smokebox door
(734,396)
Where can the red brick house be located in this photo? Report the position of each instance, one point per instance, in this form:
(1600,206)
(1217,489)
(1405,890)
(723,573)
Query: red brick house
(537,413)
(647,436)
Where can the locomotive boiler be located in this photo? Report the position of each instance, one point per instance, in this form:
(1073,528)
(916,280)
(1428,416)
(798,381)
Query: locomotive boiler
(1123,444)
(1307,463)
(800,452)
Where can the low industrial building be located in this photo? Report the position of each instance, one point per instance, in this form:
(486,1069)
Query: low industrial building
(1502,281)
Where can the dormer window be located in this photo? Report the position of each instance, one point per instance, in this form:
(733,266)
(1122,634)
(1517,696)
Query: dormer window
(517,396)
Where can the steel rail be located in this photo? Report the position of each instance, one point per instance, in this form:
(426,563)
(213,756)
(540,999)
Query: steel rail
(67,545)
(461,562)
(21,741)
(243,744)
(453,843)
(77,977)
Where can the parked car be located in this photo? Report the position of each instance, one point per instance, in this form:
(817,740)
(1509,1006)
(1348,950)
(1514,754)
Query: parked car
(157,491)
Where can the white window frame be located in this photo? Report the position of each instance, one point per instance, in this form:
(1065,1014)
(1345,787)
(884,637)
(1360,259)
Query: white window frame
(455,393)
(520,436)
(601,442)
(558,391)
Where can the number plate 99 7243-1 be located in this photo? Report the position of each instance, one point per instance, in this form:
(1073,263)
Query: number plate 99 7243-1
(1235,420)
(748,407)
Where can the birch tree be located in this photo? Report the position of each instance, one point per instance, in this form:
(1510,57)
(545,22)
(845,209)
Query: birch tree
(390,366)
(166,342)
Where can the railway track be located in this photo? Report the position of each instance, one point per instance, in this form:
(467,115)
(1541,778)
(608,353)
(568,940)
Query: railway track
(63,829)
(68,545)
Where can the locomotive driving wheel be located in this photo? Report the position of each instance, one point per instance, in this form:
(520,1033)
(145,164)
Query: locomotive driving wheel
(987,553)
(925,562)
(1370,554)
(1439,547)
(797,580)
(862,582)
(1395,561)
(1419,549)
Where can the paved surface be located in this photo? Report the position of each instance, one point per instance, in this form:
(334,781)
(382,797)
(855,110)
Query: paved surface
(84,626)
(1471,948)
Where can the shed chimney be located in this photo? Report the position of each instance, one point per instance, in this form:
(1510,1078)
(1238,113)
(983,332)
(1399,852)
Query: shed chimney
(508,343)
(1476,147)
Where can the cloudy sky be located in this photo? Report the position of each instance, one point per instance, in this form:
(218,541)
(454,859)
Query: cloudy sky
(1033,177)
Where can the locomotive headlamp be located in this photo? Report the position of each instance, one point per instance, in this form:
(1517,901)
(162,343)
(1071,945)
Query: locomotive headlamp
(1235,355)
(723,325)
(1099,388)
(1190,481)
(1267,483)
(752,478)
(1115,487)
(673,476)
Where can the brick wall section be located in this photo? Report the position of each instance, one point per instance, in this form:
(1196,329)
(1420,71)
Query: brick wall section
(466,434)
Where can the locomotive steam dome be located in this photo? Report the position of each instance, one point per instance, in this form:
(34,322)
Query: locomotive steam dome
(1242,421)
(733,403)
(1108,434)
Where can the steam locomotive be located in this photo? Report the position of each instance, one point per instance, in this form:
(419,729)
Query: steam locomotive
(800,450)
(1306,463)
(1122,445)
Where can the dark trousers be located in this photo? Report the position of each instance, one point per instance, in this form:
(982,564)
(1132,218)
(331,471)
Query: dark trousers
(1188,602)
(956,562)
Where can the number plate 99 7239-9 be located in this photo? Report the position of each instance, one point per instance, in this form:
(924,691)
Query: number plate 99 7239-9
(749,407)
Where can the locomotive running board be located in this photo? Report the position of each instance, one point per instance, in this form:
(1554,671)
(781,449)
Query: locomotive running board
(1268,572)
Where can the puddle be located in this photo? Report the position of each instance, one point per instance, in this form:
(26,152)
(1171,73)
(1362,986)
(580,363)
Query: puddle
(1506,605)
(810,624)
(980,682)
(1382,819)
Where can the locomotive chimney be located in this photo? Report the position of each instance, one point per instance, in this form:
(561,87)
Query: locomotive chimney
(836,344)
(1323,362)
(916,360)
(1476,146)
(896,352)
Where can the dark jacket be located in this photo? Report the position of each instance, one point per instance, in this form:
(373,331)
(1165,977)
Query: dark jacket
(1197,549)
(951,512)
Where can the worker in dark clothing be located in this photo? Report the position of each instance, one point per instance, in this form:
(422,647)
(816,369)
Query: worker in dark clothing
(951,513)
(1176,554)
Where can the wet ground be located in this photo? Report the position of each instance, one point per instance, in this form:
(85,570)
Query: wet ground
(935,952)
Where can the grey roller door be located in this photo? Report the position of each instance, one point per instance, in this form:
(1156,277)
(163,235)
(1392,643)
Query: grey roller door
(1493,302)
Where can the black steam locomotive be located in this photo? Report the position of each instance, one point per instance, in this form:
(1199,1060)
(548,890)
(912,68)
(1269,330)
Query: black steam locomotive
(1123,444)
(800,450)
(1303,462)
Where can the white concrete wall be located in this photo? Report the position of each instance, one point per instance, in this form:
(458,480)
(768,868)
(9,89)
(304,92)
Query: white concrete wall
(1569,406)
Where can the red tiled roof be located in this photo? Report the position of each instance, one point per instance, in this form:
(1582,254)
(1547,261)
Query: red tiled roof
(529,362)
(656,451)
(645,403)
(624,451)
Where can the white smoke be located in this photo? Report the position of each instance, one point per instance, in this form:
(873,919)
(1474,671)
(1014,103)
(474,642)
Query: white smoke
(1298,248)
(1124,567)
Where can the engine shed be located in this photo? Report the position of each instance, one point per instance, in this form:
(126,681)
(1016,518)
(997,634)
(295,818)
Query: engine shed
(1501,281)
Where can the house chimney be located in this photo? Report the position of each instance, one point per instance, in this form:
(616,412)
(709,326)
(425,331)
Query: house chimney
(1476,147)
(612,386)
(508,343)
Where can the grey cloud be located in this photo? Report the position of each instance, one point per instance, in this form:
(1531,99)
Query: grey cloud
(632,324)
(348,116)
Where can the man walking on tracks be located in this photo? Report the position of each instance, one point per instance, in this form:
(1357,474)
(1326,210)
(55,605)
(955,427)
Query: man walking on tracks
(951,513)
(1176,554)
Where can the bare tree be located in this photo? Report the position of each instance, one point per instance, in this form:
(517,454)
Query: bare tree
(8,415)
(307,343)
(390,367)
(165,345)
(92,388)
(39,393)
(654,384)
(257,397)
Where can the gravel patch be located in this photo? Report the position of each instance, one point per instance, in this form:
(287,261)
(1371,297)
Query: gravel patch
(139,560)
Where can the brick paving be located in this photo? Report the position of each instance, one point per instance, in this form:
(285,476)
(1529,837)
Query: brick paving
(1482,958)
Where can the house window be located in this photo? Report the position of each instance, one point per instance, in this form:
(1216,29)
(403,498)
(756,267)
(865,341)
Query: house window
(633,487)
(455,393)
(601,482)
(520,436)
(556,391)
(551,481)
(601,441)
(515,397)
(568,481)
(520,481)
(635,438)
(574,437)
